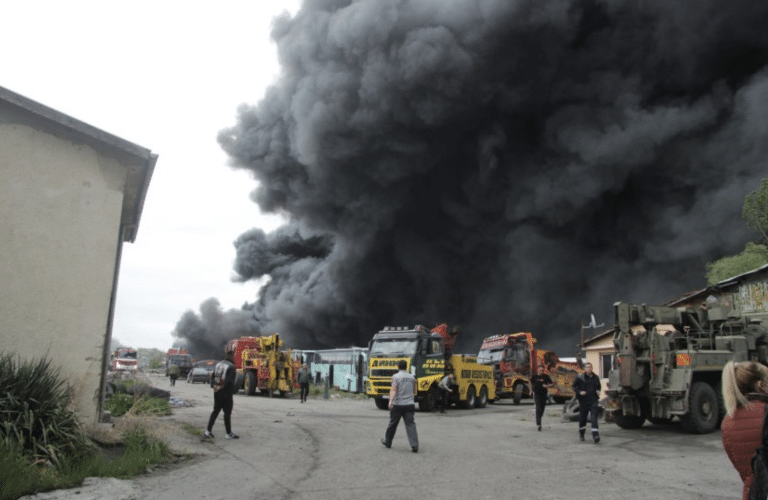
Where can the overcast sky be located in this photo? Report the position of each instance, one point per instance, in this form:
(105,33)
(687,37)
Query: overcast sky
(166,76)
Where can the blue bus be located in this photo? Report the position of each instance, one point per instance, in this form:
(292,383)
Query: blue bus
(343,368)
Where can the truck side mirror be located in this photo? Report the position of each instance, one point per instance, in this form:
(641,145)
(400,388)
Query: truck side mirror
(580,361)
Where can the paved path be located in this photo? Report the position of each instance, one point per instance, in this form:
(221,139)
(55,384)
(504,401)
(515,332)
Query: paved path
(330,449)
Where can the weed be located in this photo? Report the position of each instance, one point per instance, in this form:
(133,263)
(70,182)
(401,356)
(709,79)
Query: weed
(195,431)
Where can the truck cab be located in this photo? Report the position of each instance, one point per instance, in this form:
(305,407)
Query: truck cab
(425,354)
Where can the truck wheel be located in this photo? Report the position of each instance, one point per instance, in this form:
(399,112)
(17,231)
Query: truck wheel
(628,422)
(703,409)
(381,403)
(428,400)
(239,380)
(518,394)
(250,383)
(471,398)
(482,400)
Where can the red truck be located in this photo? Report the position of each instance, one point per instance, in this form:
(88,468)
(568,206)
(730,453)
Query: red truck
(514,359)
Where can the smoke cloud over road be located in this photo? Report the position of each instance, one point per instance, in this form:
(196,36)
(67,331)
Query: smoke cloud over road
(504,165)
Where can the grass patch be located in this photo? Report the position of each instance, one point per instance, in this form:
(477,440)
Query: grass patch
(195,431)
(19,475)
(118,404)
(42,444)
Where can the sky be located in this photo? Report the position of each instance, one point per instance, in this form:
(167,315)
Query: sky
(166,76)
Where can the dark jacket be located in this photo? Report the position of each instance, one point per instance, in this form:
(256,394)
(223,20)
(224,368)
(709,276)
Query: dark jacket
(224,375)
(591,385)
(742,435)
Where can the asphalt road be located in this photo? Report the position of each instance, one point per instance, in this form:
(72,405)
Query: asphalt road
(330,449)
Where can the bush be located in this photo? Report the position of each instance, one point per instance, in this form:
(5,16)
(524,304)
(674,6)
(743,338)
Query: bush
(119,404)
(35,417)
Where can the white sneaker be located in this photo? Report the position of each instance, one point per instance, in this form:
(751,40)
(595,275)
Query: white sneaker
(208,434)
(232,435)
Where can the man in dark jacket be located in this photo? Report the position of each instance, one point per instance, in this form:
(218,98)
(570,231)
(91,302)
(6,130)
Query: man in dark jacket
(302,377)
(224,375)
(587,388)
(540,382)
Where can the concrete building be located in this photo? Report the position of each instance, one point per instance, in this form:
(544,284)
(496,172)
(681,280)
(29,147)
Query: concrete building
(70,196)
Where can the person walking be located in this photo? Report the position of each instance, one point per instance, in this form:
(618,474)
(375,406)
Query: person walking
(302,377)
(745,385)
(444,388)
(587,388)
(402,405)
(540,382)
(173,372)
(223,382)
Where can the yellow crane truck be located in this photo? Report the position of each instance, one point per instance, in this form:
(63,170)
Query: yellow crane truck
(425,353)
(263,364)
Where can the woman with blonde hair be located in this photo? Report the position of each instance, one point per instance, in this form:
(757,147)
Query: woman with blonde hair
(744,393)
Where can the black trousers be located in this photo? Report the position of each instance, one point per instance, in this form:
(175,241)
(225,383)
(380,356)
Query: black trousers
(304,391)
(442,398)
(222,400)
(540,400)
(588,408)
(173,379)
(406,413)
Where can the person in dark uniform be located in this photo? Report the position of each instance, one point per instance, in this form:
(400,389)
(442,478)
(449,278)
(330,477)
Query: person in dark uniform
(540,382)
(587,388)
(223,382)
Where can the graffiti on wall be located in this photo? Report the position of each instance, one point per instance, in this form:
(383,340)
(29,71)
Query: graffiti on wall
(752,297)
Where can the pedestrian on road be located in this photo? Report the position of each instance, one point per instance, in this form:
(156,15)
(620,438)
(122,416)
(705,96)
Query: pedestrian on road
(402,404)
(587,388)
(444,388)
(173,372)
(224,375)
(303,377)
(540,382)
(744,393)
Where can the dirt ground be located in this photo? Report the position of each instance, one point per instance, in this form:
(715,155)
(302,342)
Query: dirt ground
(330,449)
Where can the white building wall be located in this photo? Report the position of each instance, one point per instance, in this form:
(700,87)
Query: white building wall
(593,351)
(60,208)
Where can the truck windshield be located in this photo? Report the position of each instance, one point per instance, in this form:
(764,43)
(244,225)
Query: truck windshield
(490,356)
(391,347)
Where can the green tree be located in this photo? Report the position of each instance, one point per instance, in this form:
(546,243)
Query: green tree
(753,256)
(755,209)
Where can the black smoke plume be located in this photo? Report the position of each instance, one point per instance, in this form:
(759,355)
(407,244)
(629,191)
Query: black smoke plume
(504,165)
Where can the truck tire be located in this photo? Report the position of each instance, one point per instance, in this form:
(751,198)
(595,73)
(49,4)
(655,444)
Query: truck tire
(518,394)
(471,398)
(250,383)
(628,422)
(482,399)
(428,399)
(239,380)
(381,403)
(703,409)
